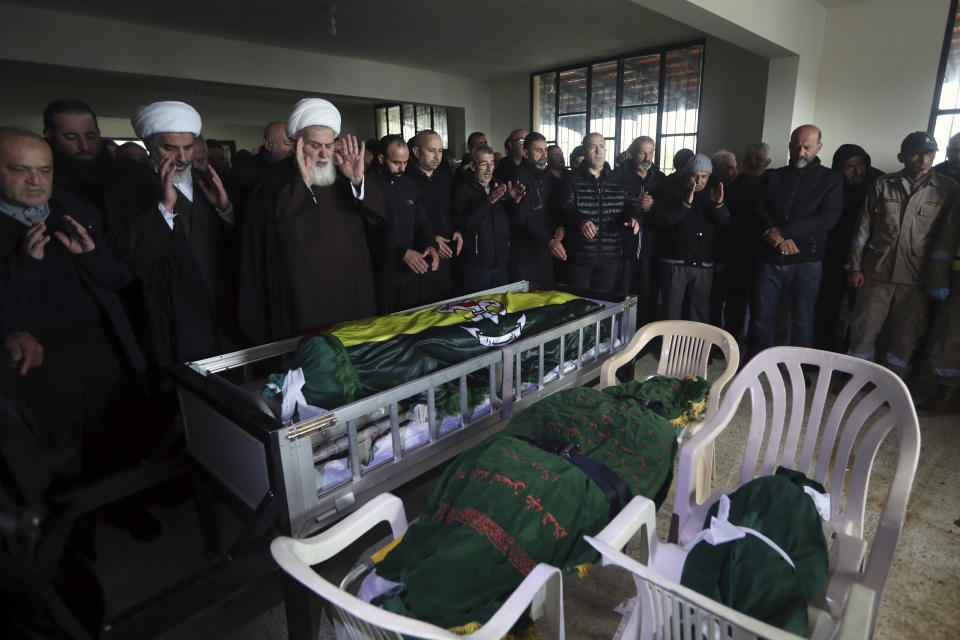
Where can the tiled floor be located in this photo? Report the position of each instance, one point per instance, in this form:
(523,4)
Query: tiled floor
(921,599)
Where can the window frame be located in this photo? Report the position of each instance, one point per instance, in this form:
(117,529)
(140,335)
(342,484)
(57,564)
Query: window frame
(417,106)
(935,110)
(662,51)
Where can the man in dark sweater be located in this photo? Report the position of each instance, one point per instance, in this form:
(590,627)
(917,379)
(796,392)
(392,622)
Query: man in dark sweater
(482,210)
(535,234)
(596,215)
(951,166)
(802,203)
(403,250)
(688,217)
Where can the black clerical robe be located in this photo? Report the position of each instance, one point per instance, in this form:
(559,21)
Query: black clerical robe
(304,258)
(186,273)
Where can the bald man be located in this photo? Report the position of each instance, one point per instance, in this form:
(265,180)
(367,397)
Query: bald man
(64,282)
(801,204)
(436,188)
(507,167)
(246,173)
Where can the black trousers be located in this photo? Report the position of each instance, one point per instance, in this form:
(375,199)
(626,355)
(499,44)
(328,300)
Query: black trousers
(598,276)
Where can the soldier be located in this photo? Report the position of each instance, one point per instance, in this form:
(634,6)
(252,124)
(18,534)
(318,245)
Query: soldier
(889,251)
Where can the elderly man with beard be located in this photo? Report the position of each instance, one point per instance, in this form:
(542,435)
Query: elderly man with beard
(536,236)
(891,246)
(644,182)
(836,299)
(82,165)
(407,250)
(436,188)
(174,226)
(305,263)
(736,243)
(689,217)
(801,203)
(596,214)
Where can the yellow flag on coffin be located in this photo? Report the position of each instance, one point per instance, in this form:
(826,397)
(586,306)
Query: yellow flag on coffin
(380,328)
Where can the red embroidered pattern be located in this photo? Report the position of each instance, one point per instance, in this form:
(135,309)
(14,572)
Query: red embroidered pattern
(500,539)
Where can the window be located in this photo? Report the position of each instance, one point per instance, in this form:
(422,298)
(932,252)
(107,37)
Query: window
(406,120)
(945,115)
(656,94)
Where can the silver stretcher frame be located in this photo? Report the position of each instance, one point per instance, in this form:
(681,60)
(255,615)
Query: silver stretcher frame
(238,440)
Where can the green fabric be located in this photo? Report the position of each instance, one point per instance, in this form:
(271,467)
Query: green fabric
(505,505)
(748,575)
(334,373)
(327,372)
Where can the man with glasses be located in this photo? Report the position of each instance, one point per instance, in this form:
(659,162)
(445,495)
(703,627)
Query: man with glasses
(507,168)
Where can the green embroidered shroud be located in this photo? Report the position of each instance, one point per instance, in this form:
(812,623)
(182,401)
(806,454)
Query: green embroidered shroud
(750,576)
(505,505)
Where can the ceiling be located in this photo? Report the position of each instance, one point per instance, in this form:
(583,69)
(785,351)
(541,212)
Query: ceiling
(484,40)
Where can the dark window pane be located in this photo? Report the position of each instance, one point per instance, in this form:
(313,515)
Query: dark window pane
(603,99)
(641,80)
(636,122)
(573,90)
(571,132)
(440,123)
(409,121)
(423,117)
(393,120)
(544,104)
(681,99)
(950,89)
(670,145)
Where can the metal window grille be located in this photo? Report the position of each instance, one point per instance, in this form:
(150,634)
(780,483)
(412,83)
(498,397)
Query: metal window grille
(407,119)
(945,114)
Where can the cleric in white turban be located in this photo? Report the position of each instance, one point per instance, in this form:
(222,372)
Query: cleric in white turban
(304,261)
(174,225)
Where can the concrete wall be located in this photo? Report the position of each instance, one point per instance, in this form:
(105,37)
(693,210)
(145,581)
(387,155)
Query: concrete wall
(732,102)
(878,75)
(509,108)
(136,49)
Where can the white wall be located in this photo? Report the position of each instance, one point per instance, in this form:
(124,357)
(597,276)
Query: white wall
(878,75)
(509,108)
(50,37)
(732,102)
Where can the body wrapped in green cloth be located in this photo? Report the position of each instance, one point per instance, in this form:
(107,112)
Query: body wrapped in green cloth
(507,504)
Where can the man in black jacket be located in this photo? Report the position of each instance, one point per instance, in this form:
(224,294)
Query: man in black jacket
(82,165)
(688,217)
(802,203)
(436,188)
(407,249)
(536,236)
(596,215)
(482,212)
(247,173)
(59,285)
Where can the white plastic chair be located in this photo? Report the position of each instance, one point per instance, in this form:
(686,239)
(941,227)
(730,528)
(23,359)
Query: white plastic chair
(834,445)
(541,591)
(665,609)
(685,352)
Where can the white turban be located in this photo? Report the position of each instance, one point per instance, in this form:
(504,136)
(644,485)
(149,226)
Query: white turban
(169,116)
(313,112)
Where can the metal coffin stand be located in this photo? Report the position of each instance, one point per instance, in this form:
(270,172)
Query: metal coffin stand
(272,468)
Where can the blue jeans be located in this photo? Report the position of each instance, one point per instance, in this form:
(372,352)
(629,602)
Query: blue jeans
(801,282)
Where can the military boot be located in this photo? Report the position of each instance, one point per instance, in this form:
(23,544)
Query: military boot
(945,401)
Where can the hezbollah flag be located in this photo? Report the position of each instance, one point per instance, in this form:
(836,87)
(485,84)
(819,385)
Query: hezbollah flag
(355,359)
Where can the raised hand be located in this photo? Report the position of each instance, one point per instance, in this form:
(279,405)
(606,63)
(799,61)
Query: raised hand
(435,259)
(716,194)
(691,187)
(217,195)
(350,159)
(496,192)
(304,164)
(167,168)
(35,240)
(76,240)
(517,190)
(458,238)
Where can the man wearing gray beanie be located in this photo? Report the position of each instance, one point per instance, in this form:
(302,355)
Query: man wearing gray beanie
(689,216)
